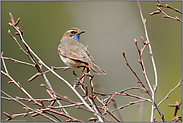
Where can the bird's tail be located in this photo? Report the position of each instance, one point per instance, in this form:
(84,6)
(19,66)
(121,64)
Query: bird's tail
(96,69)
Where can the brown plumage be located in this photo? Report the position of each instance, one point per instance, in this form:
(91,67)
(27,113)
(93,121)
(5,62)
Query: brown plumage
(74,54)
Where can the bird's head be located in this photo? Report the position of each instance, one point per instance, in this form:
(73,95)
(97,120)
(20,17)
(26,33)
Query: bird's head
(73,33)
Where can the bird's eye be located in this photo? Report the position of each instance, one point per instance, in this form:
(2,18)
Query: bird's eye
(73,32)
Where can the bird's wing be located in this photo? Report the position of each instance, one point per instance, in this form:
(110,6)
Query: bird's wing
(75,50)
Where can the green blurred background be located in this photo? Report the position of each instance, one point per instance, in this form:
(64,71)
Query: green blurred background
(110,29)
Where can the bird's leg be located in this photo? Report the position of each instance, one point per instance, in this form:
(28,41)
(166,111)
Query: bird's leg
(85,74)
(91,83)
(78,83)
(88,70)
(75,75)
(81,76)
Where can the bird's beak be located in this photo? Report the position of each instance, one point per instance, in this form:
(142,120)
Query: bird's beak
(82,32)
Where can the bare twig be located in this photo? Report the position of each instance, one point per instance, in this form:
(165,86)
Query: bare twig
(139,81)
(130,103)
(65,115)
(27,110)
(167,6)
(171,90)
(54,116)
(2,58)
(28,107)
(164,14)
(176,119)
(26,99)
(21,88)
(81,107)
(177,106)
(18,43)
(154,67)
(150,49)
(17,61)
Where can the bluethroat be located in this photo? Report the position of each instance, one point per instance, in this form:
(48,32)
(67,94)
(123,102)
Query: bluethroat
(74,54)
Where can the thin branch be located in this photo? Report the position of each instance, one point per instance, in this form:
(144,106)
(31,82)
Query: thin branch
(54,116)
(154,67)
(164,14)
(26,99)
(168,6)
(81,107)
(28,107)
(150,49)
(177,106)
(21,88)
(127,94)
(17,61)
(2,58)
(19,44)
(176,119)
(27,110)
(139,81)
(130,103)
(171,90)
(65,115)
(135,96)
(48,83)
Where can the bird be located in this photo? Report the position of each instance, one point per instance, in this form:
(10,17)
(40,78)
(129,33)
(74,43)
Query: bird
(74,54)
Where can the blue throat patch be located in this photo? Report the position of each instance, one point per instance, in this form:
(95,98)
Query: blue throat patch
(76,37)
